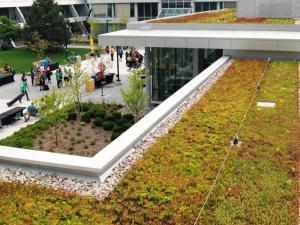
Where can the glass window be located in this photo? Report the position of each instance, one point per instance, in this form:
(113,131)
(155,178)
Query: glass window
(229,4)
(205,6)
(147,10)
(198,6)
(213,6)
(154,10)
(132,9)
(110,10)
(221,5)
(173,67)
(141,12)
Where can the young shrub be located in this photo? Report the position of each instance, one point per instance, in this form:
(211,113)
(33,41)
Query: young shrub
(115,135)
(116,115)
(110,118)
(100,113)
(86,118)
(98,122)
(71,115)
(108,125)
(128,117)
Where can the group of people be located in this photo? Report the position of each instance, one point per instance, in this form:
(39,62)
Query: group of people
(134,59)
(42,78)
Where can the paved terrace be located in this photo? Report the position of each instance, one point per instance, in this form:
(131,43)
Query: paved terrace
(9,91)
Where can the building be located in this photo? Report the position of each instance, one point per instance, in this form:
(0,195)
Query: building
(269,8)
(109,15)
(177,49)
(109,12)
(76,11)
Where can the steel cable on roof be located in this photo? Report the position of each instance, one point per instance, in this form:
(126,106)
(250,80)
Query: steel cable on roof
(231,145)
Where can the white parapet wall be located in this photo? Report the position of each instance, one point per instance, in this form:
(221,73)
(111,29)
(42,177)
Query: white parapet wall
(95,167)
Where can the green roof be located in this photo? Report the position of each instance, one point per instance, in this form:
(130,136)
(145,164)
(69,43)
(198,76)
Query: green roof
(221,16)
(259,183)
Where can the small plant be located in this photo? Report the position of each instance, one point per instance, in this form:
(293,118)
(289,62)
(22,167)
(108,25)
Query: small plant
(78,134)
(116,115)
(86,118)
(72,139)
(71,148)
(109,117)
(86,147)
(98,122)
(108,125)
(93,142)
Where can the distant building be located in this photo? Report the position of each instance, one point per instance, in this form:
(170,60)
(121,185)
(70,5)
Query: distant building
(269,8)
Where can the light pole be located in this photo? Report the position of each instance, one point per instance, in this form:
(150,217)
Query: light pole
(66,42)
(107,25)
(118,68)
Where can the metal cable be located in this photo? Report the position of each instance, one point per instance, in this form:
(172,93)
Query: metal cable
(230,147)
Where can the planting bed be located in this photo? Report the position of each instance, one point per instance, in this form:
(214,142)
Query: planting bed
(221,16)
(86,135)
(168,186)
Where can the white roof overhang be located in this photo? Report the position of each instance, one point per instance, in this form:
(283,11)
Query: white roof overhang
(273,40)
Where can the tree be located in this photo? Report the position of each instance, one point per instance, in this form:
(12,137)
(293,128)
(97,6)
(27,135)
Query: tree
(134,96)
(77,86)
(51,104)
(45,18)
(8,29)
(38,45)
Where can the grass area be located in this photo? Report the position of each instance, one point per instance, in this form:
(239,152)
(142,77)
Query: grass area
(21,59)
(81,135)
(168,186)
(222,16)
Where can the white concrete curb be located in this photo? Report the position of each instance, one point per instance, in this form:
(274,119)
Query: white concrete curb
(95,166)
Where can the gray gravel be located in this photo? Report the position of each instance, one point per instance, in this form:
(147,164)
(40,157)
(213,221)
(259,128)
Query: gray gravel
(102,188)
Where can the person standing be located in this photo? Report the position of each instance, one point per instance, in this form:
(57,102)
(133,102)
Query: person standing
(24,88)
(48,74)
(112,51)
(32,76)
(120,52)
(58,75)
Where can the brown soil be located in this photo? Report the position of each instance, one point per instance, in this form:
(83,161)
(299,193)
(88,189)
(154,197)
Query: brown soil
(73,139)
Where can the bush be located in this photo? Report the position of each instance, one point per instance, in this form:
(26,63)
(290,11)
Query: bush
(121,121)
(109,117)
(128,117)
(115,135)
(85,106)
(116,115)
(85,118)
(108,125)
(71,115)
(100,113)
(96,111)
(98,122)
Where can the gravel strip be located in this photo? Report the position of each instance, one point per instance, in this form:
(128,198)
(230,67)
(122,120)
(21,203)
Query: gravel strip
(101,189)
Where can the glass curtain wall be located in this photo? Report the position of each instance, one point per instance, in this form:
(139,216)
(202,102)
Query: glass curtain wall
(147,11)
(174,67)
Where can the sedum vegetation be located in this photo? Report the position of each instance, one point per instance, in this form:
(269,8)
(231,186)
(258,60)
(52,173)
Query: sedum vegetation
(168,186)
(222,16)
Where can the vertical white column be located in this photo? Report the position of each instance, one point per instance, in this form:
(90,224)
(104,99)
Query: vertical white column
(136,11)
(147,62)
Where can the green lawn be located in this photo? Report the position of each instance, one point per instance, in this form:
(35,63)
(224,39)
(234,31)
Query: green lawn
(259,183)
(21,59)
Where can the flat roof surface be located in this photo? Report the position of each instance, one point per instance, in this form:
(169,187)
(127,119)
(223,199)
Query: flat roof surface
(221,16)
(214,39)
